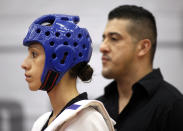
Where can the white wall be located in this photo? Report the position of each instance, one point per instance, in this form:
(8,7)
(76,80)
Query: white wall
(17,15)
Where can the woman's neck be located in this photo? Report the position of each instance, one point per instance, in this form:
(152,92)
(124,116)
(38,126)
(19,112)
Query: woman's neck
(62,93)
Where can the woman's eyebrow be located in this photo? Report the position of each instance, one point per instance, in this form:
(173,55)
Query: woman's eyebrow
(34,46)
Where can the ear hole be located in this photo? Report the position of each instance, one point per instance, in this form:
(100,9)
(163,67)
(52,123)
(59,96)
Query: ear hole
(52,43)
(64,58)
(53,56)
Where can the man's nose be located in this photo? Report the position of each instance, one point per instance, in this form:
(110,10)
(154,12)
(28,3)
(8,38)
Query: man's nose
(104,47)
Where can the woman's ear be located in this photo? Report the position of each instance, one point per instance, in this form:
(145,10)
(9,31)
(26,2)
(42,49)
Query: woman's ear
(144,47)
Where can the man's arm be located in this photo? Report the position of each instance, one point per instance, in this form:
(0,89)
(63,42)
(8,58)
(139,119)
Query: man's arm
(175,118)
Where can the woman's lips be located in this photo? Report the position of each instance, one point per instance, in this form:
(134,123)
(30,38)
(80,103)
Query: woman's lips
(27,77)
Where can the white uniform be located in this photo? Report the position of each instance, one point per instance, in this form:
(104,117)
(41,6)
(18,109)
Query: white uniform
(84,115)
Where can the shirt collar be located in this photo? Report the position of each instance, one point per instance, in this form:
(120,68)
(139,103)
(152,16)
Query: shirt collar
(150,82)
(82,96)
(111,89)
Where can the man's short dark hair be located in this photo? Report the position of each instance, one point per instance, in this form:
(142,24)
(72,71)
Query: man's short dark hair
(143,23)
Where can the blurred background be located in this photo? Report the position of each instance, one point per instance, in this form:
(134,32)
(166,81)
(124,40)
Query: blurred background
(19,107)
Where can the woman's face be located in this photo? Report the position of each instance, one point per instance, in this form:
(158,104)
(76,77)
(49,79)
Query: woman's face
(34,65)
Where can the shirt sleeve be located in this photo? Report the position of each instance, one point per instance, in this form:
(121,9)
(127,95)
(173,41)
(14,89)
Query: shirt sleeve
(175,118)
(86,120)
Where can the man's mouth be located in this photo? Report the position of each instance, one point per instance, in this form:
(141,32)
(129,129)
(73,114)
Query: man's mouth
(105,58)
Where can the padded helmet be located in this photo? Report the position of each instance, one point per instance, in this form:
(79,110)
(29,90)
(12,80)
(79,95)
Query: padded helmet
(64,42)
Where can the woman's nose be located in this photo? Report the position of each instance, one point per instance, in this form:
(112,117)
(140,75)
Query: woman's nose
(25,65)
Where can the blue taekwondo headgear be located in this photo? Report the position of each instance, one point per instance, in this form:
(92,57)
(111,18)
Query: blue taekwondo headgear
(64,42)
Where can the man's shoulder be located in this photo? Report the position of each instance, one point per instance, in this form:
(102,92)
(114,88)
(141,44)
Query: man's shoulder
(101,98)
(168,94)
(159,88)
(170,90)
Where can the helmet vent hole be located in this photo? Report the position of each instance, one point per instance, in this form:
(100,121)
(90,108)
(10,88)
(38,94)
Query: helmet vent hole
(79,35)
(65,43)
(57,34)
(84,46)
(80,54)
(38,30)
(52,43)
(47,33)
(53,55)
(75,44)
(65,18)
(64,58)
(68,34)
(48,21)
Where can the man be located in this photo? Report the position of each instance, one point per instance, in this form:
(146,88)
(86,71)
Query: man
(138,99)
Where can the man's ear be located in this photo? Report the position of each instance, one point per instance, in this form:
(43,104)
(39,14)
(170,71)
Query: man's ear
(144,46)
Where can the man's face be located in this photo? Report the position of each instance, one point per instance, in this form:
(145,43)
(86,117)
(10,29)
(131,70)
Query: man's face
(118,49)
(34,65)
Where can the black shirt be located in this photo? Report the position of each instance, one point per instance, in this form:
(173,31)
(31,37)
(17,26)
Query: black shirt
(82,96)
(155,105)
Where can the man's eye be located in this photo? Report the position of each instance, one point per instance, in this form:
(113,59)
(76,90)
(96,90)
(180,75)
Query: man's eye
(114,39)
(103,38)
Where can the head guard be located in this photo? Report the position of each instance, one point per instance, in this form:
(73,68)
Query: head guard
(65,45)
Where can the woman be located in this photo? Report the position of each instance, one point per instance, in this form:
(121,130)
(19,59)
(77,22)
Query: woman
(58,53)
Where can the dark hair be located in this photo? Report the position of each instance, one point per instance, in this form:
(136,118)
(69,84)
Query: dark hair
(82,70)
(143,24)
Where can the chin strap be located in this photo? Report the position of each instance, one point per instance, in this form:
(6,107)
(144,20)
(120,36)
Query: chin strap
(49,81)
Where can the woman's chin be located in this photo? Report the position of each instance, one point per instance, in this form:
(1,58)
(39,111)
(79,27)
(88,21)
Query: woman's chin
(33,88)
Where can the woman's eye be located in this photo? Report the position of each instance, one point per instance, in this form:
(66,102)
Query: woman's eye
(34,54)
